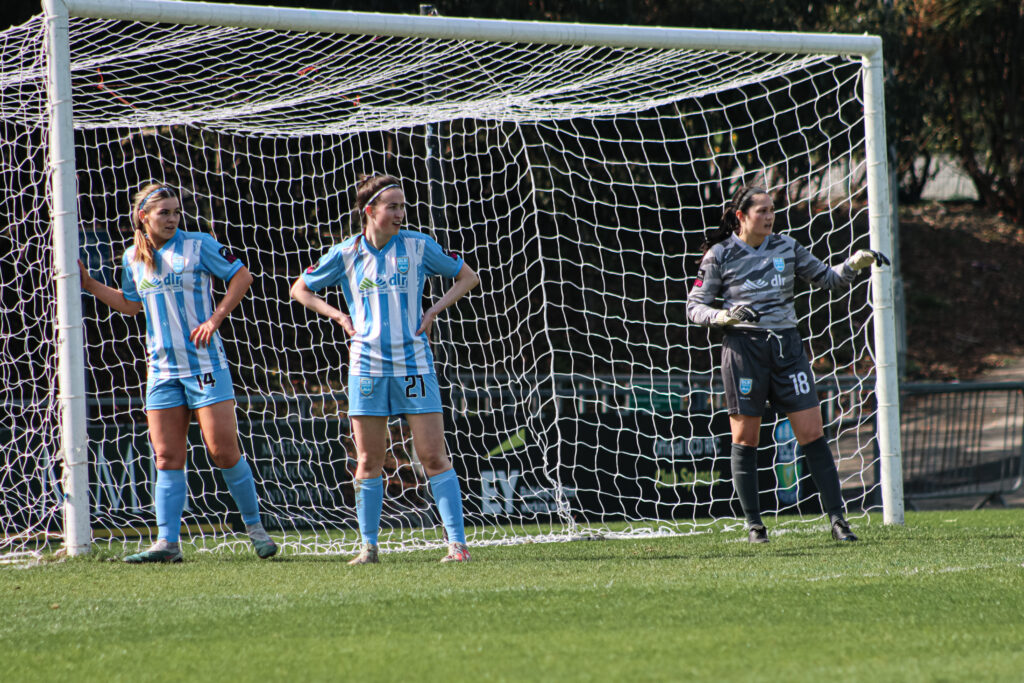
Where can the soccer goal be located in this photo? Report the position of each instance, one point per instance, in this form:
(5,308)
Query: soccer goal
(574,166)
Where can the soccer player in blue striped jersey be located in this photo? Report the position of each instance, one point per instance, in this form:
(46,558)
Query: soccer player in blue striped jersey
(752,270)
(382,272)
(168,273)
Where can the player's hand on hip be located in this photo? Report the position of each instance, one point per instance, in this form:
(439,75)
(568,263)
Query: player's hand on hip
(740,313)
(866,257)
(202,335)
(428,322)
(346,324)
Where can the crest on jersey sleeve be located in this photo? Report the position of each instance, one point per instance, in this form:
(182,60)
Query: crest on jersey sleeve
(699,282)
(316,265)
(779,263)
(178,264)
(226,254)
(366,386)
(403,264)
(746,384)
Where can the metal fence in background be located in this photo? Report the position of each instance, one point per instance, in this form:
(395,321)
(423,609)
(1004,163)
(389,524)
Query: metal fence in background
(962,440)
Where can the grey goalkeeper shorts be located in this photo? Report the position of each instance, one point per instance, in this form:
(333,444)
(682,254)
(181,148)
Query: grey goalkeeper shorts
(762,365)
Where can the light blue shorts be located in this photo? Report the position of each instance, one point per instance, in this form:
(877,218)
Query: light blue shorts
(194,392)
(388,396)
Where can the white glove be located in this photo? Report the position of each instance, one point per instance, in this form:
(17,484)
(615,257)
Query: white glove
(865,257)
(737,314)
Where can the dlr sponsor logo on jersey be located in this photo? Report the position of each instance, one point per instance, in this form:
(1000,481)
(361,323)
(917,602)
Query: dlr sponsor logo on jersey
(170,283)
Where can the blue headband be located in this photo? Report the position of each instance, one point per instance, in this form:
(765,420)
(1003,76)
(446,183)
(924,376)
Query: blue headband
(153,192)
(377,193)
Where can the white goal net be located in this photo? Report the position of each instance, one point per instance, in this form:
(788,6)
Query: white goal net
(576,179)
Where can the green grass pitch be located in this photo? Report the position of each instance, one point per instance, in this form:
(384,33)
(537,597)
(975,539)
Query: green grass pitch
(941,599)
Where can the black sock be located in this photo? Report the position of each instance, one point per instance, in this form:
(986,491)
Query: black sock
(826,477)
(744,480)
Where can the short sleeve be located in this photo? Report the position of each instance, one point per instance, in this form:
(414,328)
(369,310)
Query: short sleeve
(437,261)
(131,293)
(218,259)
(327,272)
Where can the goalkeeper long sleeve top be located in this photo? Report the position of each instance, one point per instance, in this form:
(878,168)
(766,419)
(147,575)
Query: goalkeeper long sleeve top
(762,278)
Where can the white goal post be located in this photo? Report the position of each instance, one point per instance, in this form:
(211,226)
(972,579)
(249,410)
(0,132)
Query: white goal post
(578,165)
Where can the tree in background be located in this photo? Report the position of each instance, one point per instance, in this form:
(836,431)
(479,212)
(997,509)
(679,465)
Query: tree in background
(977,59)
(912,101)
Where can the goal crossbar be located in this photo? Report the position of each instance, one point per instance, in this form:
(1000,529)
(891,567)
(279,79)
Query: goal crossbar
(454,28)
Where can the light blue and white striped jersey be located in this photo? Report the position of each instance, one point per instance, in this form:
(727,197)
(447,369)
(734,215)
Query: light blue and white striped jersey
(384,292)
(177,298)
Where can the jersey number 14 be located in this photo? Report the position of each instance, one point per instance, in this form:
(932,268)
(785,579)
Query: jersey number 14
(206,380)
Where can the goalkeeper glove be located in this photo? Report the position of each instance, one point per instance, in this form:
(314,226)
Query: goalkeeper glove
(740,313)
(865,257)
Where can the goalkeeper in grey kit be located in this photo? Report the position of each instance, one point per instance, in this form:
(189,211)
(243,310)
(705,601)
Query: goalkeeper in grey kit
(753,271)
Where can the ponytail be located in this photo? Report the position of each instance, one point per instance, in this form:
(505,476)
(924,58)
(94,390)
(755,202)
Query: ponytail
(730,224)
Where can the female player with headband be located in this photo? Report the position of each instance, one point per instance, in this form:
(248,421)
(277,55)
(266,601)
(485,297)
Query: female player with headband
(381,272)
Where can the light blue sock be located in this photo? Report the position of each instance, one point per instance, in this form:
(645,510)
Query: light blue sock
(243,489)
(448,498)
(170,502)
(369,503)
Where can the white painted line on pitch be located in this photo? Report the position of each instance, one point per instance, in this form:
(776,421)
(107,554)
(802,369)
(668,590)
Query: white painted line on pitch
(915,571)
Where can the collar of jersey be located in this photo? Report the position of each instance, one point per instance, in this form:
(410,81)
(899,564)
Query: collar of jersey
(374,250)
(178,237)
(757,250)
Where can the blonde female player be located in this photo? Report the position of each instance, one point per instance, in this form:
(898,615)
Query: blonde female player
(168,274)
(753,271)
(382,272)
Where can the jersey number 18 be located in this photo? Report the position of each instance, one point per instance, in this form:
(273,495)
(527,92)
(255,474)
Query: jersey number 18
(800,383)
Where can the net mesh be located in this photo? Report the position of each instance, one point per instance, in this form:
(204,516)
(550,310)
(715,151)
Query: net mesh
(577,181)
